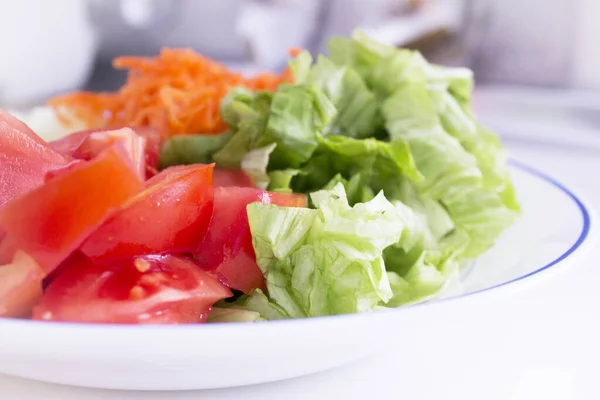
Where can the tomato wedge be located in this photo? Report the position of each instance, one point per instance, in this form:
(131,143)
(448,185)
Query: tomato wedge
(24,159)
(170,216)
(20,286)
(147,290)
(8,248)
(142,145)
(227,248)
(153,145)
(231,177)
(50,222)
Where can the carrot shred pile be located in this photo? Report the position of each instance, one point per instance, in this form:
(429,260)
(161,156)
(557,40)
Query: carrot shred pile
(177,92)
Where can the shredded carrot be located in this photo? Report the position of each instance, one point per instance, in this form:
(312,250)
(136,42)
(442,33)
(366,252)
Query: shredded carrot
(294,51)
(177,92)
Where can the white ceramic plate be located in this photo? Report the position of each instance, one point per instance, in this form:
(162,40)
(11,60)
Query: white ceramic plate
(551,235)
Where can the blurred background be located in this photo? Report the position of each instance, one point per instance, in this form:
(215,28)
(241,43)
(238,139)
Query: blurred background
(534,58)
(53,46)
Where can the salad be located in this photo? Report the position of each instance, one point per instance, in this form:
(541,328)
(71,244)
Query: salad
(346,184)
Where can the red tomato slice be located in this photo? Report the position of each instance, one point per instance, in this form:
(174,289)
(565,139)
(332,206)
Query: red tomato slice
(142,145)
(65,169)
(20,286)
(50,222)
(24,159)
(147,290)
(86,145)
(8,249)
(227,248)
(153,145)
(170,216)
(231,177)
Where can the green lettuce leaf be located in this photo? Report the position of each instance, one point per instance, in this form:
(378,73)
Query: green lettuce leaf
(301,66)
(291,119)
(357,108)
(255,163)
(359,52)
(244,110)
(384,68)
(458,81)
(191,149)
(357,190)
(246,114)
(297,116)
(378,163)
(425,256)
(281,180)
(256,303)
(260,303)
(446,166)
(326,260)
(370,121)
(219,314)
(390,72)
(452,174)
(459,122)
(422,262)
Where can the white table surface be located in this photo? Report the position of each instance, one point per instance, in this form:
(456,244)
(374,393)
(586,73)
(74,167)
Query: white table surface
(561,365)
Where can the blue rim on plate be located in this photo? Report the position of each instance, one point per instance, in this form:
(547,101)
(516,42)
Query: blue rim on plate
(585,231)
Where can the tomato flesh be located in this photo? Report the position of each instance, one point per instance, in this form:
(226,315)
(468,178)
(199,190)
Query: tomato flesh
(146,290)
(231,177)
(25,159)
(142,145)
(77,219)
(227,248)
(50,222)
(170,216)
(20,286)
(153,145)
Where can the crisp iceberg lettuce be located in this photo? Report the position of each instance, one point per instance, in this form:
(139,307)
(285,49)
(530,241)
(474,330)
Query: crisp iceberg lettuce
(368,129)
(231,314)
(255,164)
(326,260)
(191,149)
(470,186)
(357,110)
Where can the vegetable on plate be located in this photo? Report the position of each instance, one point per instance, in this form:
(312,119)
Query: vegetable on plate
(351,182)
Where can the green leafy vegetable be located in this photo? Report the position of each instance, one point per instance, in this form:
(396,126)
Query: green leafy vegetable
(446,166)
(191,149)
(357,109)
(378,161)
(244,110)
(291,118)
(297,116)
(281,180)
(255,164)
(452,174)
(406,185)
(246,115)
(360,52)
(328,260)
(258,303)
(219,314)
